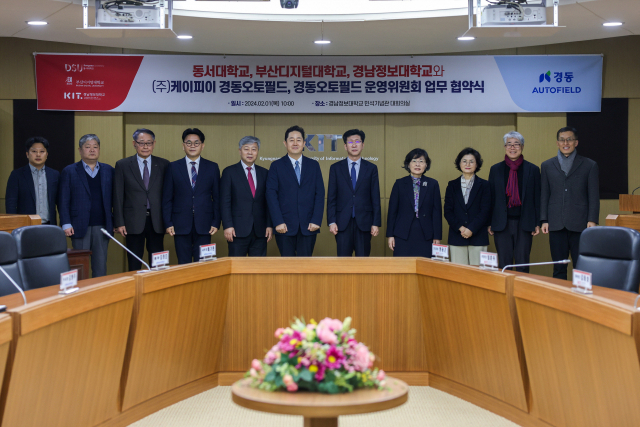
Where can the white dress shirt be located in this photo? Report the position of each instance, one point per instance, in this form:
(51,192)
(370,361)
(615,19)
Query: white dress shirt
(293,163)
(253,172)
(141,165)
(197,165)
(357,166)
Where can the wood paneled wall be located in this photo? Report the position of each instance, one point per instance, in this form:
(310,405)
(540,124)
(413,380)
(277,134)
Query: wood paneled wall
(389,136)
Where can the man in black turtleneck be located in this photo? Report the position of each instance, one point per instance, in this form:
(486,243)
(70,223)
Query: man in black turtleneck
(570,199)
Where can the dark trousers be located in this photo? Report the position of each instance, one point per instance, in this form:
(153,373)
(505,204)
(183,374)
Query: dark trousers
(98,243)
(188,245)
(513,245)
(562,242)
(298,245)
(415,245)
(136,243)
(251,245)
(353,239)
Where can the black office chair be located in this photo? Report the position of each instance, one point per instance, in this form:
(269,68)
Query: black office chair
(9,262)
(612,256)
(42,255)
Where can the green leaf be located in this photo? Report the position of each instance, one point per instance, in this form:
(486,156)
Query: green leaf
(270,377)
(306,375)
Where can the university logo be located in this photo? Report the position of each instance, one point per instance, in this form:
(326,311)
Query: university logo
(321,141)
(545,76)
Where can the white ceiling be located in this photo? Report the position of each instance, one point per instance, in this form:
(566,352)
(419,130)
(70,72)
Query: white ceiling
(379,36)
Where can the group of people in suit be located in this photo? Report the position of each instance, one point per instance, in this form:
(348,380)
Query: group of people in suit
(145,197)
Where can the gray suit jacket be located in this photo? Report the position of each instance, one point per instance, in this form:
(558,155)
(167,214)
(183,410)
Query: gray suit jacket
(130,196)
(573,200)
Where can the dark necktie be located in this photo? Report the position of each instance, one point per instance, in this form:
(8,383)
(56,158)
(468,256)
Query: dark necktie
(145,181)
(194,174)
(354,178)
(297,169)
(252,185)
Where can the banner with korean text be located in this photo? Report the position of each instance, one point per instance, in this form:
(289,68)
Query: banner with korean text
(319,84)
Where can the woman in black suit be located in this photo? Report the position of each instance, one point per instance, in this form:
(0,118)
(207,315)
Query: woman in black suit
(414,222)
(467,209)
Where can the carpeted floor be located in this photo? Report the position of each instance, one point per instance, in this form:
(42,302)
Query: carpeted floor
(427,407)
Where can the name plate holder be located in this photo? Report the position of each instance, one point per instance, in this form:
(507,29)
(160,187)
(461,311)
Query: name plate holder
(208,253)
(488,261)
(160,261)
(582,282)
(440,252)
(68,282)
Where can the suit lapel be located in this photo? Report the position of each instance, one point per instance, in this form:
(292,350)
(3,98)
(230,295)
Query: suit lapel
(576,164)
(345,171)
(474,191)
(154,173)
(361,174)
(135,169)
(49,175)
(525,176)
(556,163)
(28,177)
(502,185)
(82,175)
(457,189)
(186,174)
(423,191)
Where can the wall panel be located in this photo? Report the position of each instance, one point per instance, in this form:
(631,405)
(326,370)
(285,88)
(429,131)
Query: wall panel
(6,147)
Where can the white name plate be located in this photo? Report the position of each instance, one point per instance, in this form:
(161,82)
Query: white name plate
(440,251)
(489,260)
(68,282)
(160,259)
(582,282)
(207,252)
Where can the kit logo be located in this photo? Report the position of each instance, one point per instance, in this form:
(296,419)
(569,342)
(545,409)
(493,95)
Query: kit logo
(545,76)
(321,140)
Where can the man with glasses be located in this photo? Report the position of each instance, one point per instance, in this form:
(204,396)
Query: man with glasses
(190,201)
(570,199)
(137,198)
(353,199)
(515,199)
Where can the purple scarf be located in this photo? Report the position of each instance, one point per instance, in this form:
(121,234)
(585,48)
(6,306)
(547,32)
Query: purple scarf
(512,184)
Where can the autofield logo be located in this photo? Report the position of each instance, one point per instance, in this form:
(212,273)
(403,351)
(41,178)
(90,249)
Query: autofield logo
(556,77)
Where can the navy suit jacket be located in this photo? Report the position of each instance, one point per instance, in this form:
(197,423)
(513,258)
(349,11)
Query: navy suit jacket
(74,198)
(182,205)
(474,215)
(296,205)
(21,192)
(341,197)
(401,209)
(530,197)
(239,208)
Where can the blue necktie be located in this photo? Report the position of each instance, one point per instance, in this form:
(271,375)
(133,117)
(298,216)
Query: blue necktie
(353,183)
(298,171)
(194,174)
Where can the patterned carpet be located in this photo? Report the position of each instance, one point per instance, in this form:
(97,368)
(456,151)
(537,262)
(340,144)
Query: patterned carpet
(427,407)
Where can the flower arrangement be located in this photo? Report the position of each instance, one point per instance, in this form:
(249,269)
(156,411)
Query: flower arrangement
(323,357)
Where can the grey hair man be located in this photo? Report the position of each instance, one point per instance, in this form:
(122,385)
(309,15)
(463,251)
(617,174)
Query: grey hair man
(85,202)
(515,199)
(137,198)
(570,199)
(243,205)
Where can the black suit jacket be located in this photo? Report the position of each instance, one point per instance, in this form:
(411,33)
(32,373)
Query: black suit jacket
(473,215)
(573,200)
(530,197)
(239,208)
(402,213)
(21,192)
(341,197)
(130,196)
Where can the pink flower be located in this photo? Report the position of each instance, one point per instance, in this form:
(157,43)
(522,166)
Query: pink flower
(361,359)
(325,335)
(288,342)
(311,326)
(381,375)
(253,373)
(255,364)
(320,374)
(383,383)
(279,332)
(334,358)
(332,324)
(270,358)
(287,380)
(292,387)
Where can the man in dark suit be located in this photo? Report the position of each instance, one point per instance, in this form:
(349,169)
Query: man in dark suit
(515,199)
(353,200)
(570,199)
(33,189)
(245,214)
(190,199)
(137,198)
(85,203)
(295,195)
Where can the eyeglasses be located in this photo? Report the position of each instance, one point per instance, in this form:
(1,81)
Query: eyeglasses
(566,140)
(354,142)
(418,162)
(144,144)
(513,145)
(192,144)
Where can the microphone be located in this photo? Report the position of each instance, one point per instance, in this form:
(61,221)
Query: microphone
(634,191)
(564,261)
(106,233)
(24,297)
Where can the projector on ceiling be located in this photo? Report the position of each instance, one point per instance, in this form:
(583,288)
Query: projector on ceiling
(129,16)
(512,13)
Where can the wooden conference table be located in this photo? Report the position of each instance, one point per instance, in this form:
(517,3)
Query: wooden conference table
(127,345)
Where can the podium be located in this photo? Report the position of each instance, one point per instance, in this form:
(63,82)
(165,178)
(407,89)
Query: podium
(627,203)
(9,222)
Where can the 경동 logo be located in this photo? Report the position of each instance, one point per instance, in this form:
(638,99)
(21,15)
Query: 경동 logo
(545,76)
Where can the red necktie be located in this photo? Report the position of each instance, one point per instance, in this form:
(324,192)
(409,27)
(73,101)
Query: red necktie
(252,185)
